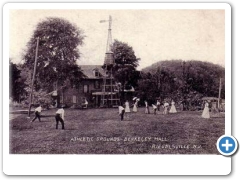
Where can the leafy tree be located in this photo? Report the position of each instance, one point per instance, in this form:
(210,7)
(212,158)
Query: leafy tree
(186,81)
(147,89)
(125,66)
(159,84)
(17,85)
(57,53)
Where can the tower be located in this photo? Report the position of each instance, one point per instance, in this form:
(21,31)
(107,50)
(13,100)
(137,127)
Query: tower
(110,94)
(109,59)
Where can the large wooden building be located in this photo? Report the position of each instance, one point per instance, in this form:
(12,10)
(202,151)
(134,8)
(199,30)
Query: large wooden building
(90,89)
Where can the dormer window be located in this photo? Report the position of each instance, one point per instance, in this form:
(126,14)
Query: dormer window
(96,73)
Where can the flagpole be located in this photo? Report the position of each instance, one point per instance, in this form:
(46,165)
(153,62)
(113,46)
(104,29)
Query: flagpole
(33,78)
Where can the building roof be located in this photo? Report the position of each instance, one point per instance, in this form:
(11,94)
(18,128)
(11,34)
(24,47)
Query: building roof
(88,70)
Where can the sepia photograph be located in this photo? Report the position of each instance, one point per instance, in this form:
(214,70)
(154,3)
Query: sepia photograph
(116,81)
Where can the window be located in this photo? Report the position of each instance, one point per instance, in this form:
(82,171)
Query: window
(96,85)
(85,88)
(96,73)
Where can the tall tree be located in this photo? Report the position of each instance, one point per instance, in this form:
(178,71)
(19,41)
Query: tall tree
(57,53)
(17,84)
(125,66)
(159,84)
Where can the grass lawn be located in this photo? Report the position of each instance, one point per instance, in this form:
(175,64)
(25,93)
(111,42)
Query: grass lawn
(100,131)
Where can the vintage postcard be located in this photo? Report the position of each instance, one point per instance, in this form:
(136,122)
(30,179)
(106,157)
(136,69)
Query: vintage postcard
(142,83)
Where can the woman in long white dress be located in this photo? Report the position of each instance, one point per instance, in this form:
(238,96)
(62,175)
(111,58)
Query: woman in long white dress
(147,111)
(173,108)
(135,106)
(206,113)
(127,108)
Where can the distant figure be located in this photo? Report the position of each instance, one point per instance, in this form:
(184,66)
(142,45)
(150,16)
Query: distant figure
(154,108)
(135,106)
(158,105)
(127,108)
(181,106)
(60,117)
(165,106)
(146,108)
(173,108)
(85,104)
(38,111)
(121,111)
(206,113)
(56,104)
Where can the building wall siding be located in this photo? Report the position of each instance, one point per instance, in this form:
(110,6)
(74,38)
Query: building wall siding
(79,93)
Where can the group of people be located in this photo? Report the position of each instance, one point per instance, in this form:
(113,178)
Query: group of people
(59,116)
(126,108)
(156,107)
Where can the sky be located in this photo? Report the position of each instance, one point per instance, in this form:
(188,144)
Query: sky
(155,35)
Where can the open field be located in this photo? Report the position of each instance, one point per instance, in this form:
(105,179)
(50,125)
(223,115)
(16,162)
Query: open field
(100,131)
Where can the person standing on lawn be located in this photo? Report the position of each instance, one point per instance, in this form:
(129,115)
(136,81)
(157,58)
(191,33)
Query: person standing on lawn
(173,108)
(38,111)
(206,113)
(165,106)
(154,108)
(121,111)
(146,108)
(181,106)
(60,117)
(158,105)
(135,105)
(127,109)
(86,103)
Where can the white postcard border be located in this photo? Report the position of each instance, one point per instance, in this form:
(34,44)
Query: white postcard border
(114,164)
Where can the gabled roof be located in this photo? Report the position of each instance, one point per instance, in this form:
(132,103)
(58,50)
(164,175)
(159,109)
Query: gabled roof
(88,70)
